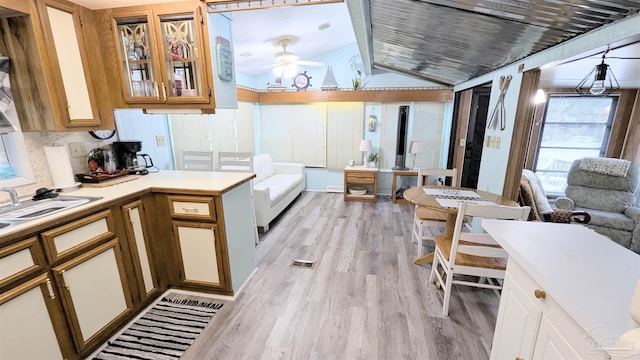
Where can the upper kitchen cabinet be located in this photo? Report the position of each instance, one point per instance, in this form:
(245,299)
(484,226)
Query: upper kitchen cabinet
(57,86)
(162,55)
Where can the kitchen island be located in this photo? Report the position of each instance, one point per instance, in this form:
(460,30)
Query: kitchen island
(567,292)
(79,275)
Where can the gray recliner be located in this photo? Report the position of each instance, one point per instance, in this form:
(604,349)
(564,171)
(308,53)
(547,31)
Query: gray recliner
(608,190)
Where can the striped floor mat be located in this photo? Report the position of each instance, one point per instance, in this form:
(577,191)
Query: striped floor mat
(164,332)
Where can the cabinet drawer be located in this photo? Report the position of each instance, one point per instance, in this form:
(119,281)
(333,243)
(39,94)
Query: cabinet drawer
(77,235)
(20,259)
(360,178)
(191,207)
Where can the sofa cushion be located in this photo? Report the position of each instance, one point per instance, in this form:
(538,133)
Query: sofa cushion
(263,167)
(609,219)
(280,185)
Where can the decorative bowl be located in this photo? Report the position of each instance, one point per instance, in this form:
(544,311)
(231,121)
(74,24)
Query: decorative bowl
(357,191)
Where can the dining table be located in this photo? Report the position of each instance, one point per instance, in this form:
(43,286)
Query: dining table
(446,199)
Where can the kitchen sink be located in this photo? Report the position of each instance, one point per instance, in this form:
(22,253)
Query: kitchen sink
(35,209)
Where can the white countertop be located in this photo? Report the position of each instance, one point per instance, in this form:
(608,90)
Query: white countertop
(213,182)
(590,276)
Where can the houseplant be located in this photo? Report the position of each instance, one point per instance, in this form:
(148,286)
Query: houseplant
(372,160)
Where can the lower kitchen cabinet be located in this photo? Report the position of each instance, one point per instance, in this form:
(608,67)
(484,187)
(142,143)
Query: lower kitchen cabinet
(140,248)
(31,325)
(94,291)
(532,325)
(198,253)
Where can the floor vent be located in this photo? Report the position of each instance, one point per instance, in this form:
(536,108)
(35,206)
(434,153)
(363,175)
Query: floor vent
(335,189)
(305,264)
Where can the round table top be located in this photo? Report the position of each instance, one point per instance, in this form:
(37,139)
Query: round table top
(417,196)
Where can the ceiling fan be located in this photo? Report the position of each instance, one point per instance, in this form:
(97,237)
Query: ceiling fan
(286,63)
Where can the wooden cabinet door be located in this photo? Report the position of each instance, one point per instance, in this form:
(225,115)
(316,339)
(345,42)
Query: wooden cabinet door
(163,54)
(94,291)
(139,246)
(199,255)
(517,323)
(69,63)
(30,323)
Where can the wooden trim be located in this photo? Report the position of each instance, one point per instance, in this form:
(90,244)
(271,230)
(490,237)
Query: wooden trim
(247,95)
(193,199)
(462,128)
(621,123)
(37,256)
(631,147)
(18,6)
(534,138)
(133,249)
(48,237)
(56,84)
(101,334)
(373,95)
(53,308)
(521,133)
(217,243)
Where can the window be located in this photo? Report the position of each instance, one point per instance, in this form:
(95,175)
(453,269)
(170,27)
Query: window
(573,127)
(6,169)
(15,167)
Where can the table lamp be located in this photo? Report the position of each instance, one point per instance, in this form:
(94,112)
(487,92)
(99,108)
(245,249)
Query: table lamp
(365,145)
(414,149)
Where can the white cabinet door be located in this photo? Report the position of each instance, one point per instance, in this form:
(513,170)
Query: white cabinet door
(517,324)
(198,253)
(95,290)
(551,344)
(26,329)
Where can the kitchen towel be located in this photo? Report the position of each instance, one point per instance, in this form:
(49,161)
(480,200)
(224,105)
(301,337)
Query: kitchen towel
(59,166)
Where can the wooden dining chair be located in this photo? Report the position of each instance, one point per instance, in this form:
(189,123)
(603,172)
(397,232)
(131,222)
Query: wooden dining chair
(426,222)
(471,253)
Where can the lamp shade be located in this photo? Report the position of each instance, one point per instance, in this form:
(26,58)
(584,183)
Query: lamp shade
(415,147)
(365,145)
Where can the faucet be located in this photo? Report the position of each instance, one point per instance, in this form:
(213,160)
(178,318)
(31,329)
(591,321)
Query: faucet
(13,195)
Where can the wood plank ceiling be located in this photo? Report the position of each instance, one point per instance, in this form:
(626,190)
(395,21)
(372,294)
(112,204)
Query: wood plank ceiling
(449,42)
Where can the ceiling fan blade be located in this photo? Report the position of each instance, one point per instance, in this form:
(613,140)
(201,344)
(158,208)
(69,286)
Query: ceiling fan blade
(309,63)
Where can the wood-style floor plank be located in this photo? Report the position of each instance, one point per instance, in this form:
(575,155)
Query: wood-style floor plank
(364,299)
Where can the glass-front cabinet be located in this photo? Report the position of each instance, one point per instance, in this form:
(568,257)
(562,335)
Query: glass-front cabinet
(163,55)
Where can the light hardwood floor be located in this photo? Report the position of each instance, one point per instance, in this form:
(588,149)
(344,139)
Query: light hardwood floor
(364,299)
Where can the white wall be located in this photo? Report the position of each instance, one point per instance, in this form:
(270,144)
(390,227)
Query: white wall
(133,124)
(339,62)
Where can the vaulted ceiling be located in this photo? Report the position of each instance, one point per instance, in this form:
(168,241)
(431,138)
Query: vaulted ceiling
(453,41)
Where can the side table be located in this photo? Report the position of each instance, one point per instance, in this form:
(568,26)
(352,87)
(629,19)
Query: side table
(363,182)
(395,198)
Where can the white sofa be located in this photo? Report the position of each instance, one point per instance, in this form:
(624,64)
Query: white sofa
(276,185)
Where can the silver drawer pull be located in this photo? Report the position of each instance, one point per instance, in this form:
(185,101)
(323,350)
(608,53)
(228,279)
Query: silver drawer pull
(190,210)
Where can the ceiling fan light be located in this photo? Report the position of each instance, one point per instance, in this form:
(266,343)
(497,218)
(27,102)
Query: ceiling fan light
(277,71)
(290,70)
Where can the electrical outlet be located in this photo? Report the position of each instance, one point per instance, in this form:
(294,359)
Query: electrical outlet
(77,149)
(160,140)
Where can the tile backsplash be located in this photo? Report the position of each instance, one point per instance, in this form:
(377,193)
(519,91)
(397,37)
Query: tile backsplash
(35,143)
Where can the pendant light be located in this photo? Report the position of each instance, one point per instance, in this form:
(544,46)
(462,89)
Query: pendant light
(599,82)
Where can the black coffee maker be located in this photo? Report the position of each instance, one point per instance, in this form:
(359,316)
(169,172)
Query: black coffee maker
(126,153)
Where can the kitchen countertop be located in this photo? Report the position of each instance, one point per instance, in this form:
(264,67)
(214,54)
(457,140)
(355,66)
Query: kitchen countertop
(213,183)
(591,277)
